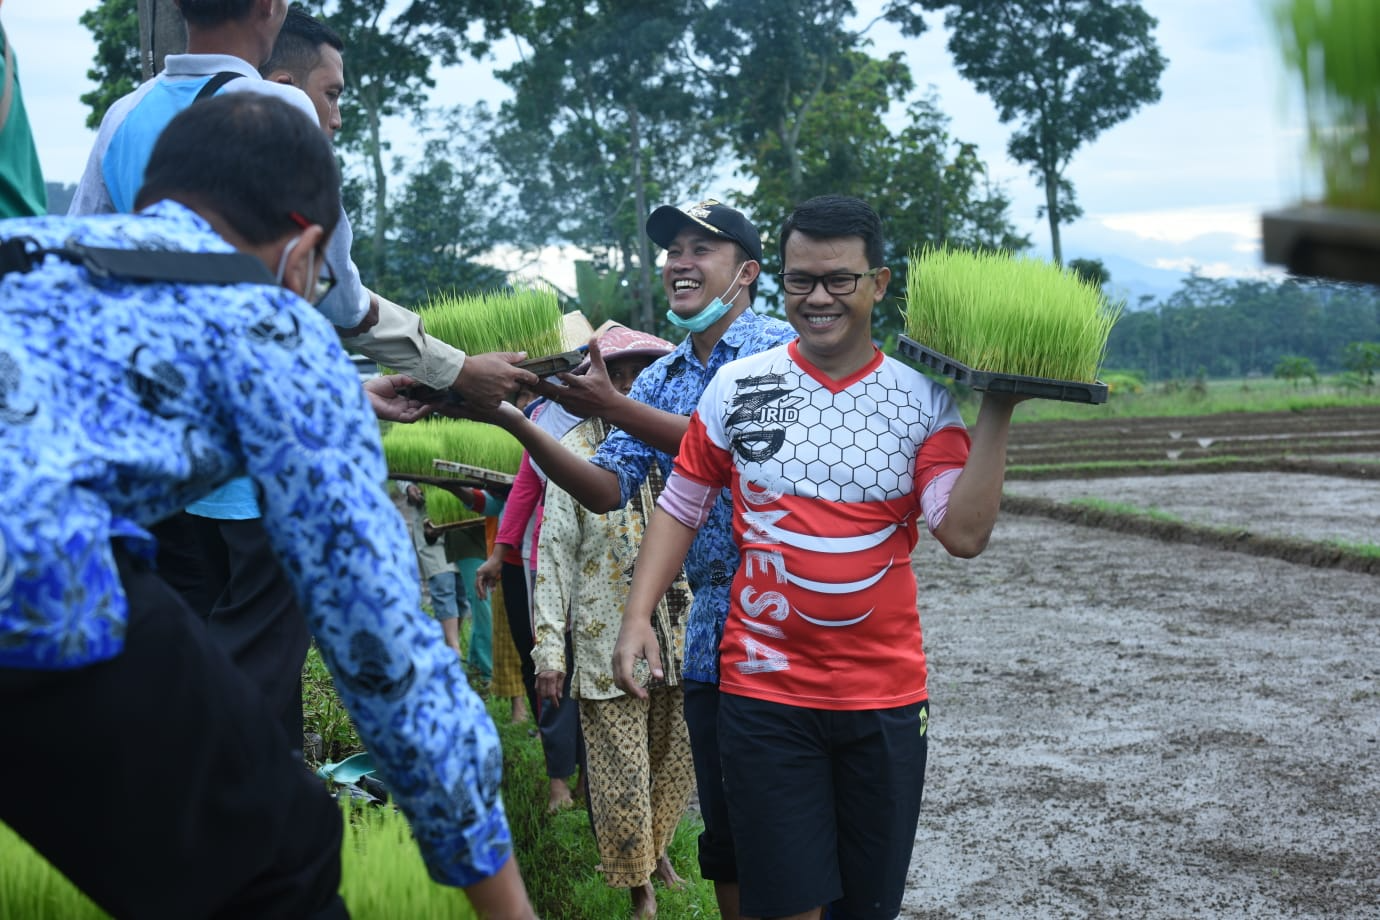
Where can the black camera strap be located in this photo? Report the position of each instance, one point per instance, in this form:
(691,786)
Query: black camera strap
(23,254)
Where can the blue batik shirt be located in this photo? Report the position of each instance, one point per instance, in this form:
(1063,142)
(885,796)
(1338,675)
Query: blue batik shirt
(674,384)
(122,402)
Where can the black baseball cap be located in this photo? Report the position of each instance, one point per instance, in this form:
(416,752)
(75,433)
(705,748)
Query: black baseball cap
(719,219)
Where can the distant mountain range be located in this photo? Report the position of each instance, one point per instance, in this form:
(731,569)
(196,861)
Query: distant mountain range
(1133,281)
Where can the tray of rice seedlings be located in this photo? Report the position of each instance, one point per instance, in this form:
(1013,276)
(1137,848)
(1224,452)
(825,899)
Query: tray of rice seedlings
(1332,49)
(1007,324)
(413,449)
(524,318)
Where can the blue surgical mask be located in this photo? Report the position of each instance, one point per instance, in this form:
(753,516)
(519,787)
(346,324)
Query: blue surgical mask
(712,312)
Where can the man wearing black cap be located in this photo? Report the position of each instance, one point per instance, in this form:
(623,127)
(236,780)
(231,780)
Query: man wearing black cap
(713,260)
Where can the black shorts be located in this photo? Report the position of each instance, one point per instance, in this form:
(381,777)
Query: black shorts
(718,861)
(824,804)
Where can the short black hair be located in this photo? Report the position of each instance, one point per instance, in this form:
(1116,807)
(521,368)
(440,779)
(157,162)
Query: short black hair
(828,217)
(210,13)
(298,48)
(255,160)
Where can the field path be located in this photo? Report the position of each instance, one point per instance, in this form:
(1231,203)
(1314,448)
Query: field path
(1127,727)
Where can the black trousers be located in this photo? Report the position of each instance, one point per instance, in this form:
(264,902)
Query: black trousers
(231,578)
(562,743)
(197,809)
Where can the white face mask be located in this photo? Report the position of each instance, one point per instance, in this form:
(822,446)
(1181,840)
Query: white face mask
(712,312)
(321,292)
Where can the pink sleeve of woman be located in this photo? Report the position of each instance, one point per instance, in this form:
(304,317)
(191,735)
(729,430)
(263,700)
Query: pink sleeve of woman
(522,503)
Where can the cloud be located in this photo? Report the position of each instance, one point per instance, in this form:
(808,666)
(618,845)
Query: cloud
(1182,225)
(1217,269)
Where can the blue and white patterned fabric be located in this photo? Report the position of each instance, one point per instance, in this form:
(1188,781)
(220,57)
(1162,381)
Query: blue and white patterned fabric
(120,403)
(674,384)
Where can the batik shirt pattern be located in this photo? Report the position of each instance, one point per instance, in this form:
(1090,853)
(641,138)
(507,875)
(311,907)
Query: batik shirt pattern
(584,570)
(121,403)
(826,478)
(674,384)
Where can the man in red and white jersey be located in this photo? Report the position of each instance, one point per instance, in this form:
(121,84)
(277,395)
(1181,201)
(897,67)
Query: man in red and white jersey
(833,453)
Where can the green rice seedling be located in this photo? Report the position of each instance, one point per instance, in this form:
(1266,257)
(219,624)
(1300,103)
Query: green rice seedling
(412,448)
(382,875)
(31,888)
(519,319)
(1333,48)
(1010,315)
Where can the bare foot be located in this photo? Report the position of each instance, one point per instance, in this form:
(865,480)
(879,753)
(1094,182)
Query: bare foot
(666,873)
(560,797)
(519,710)
(643,900)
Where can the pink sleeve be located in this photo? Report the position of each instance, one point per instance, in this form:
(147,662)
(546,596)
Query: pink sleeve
(522,503)
(687,501)
(937,466)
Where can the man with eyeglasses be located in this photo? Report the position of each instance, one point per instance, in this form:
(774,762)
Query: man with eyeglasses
(713,260)
(127,391)
(833,453)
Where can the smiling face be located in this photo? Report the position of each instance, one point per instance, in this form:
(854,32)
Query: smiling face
(835,329)
(700,267)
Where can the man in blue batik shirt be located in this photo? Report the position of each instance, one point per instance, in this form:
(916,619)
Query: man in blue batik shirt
(120,402)
(713,259)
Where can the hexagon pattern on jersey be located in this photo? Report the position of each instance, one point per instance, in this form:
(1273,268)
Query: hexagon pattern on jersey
(794,436)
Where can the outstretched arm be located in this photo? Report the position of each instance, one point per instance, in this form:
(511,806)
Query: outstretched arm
(592,486)
(592,395)
(312,447)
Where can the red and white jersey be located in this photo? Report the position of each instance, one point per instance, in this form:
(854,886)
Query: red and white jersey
(826,477)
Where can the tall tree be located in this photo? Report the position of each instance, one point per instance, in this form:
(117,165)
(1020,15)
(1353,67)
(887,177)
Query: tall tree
(448,212)
(116,69)
(772,63)
(1064,70)
(390,52)
(605,122)
(1092,271)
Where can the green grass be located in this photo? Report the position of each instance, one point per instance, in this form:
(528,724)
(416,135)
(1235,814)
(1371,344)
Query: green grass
(557,852)
(1368,550)
(1154,514)
(1191,398)
(324,713)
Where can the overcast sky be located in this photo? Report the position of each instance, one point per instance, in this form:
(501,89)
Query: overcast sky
(1182,183)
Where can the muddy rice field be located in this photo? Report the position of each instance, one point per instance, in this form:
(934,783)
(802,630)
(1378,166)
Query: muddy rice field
(1157,694)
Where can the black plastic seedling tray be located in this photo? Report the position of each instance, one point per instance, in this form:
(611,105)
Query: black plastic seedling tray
(562,363)
(476,473)
(991,381)
(545,366)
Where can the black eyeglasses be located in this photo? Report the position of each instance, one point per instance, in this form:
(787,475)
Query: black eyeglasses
(837,283)
(325,283)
